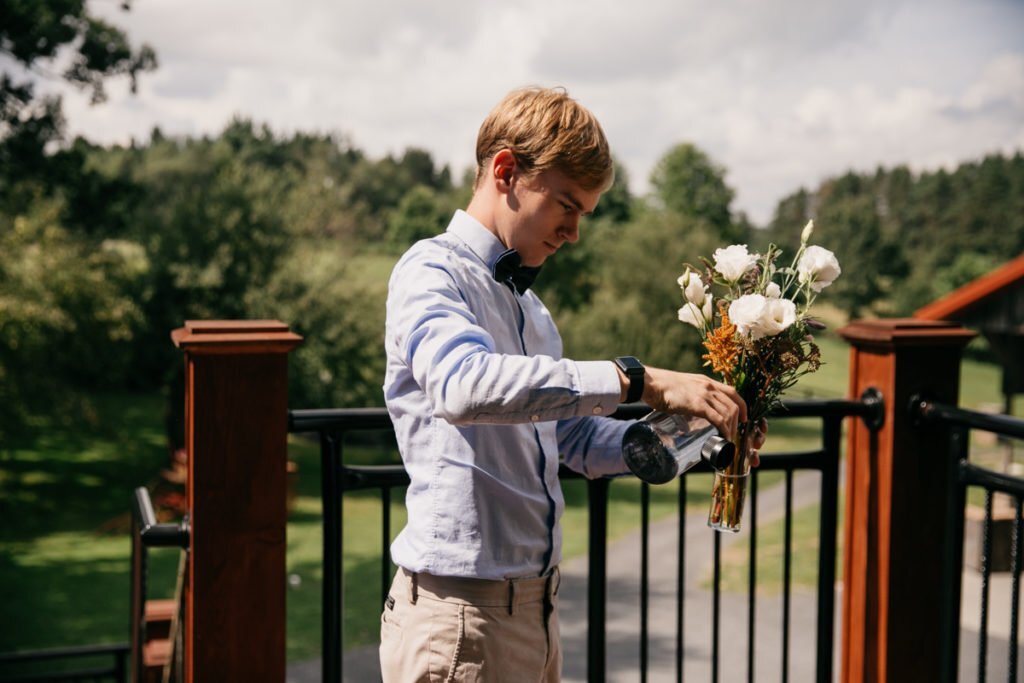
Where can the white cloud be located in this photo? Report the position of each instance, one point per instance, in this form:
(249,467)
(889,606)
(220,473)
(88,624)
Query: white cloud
(782,94)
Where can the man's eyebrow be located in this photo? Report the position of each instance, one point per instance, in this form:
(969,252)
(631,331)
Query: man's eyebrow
(575,202)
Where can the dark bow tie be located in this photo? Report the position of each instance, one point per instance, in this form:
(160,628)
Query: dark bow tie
(509,270)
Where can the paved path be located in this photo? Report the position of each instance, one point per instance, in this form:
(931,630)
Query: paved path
(623,655)
(623,661)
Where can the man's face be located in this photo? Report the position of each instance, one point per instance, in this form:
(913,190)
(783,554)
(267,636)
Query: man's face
(545,212)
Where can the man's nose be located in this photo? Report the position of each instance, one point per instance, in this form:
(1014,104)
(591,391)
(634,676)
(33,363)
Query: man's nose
(571,228)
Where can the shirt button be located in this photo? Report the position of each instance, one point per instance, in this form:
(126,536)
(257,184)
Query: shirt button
(534,418)
(598,410)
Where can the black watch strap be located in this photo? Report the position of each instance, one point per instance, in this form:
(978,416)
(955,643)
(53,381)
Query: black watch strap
(634,371)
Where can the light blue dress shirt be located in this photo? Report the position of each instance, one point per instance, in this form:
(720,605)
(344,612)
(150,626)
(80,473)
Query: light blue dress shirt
(483,405)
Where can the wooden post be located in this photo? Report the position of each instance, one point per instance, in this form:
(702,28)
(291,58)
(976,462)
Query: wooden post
(236,426)
(895,502)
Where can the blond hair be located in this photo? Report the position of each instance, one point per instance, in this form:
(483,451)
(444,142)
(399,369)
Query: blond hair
(545,128)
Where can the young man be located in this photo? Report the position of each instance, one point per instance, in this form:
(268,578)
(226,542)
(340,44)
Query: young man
(484,405)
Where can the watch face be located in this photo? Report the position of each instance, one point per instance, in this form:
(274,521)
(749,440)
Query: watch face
(628,363)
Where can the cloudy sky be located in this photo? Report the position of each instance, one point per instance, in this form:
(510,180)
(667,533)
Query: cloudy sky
(781,93)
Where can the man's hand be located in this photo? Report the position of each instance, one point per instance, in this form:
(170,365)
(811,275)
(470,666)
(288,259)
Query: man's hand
(693,394)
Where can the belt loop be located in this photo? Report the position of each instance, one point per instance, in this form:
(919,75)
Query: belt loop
(511,597)
(415,593)
(556,578)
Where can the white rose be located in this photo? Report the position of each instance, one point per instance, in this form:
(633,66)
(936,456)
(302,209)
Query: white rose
(818,266)
(693,288)
(779,314)
(748,315)
(773,291)
(733,262)
(695,315)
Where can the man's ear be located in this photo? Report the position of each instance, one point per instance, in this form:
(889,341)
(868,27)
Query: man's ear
(503,170)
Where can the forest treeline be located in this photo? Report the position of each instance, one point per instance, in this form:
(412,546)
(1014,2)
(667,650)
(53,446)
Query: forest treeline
(105,249)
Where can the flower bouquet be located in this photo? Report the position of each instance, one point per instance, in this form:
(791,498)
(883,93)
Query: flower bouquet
(758,337)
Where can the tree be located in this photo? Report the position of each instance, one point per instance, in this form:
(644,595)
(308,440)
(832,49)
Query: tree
(689,183)
(32,34)
(633,296)
(69,315)
(616,204)
(872,262)
(70,299)
(419,215)
(341,317)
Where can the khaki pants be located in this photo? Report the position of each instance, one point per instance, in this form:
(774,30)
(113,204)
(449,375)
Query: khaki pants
(455,629)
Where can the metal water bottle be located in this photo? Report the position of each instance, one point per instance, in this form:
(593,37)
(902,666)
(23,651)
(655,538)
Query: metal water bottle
(659,447)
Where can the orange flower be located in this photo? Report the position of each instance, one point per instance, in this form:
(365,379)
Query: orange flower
(723,351)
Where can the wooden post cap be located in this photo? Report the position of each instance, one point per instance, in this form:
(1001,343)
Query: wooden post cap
(235,336)
(894,332)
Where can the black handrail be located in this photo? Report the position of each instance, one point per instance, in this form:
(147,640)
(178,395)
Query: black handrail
(148,533)
(332,424)
(116,671)
(1004,425)
(156,535)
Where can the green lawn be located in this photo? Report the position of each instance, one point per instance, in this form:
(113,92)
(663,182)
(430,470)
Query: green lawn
(64,548)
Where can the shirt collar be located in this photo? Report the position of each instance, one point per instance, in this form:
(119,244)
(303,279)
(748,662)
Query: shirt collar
(481,241)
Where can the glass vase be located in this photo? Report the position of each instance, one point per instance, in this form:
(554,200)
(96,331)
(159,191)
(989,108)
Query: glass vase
(729,488)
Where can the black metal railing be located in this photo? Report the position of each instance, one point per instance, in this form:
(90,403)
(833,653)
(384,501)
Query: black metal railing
(146,534)
(337,479)
(963,475)
(82,664)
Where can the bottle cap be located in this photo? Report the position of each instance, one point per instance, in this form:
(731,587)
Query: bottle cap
(719,452)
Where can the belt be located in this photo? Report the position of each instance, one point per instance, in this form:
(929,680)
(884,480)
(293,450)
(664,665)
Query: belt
(483,592)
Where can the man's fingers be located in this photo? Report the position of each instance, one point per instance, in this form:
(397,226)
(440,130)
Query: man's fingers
(726,419)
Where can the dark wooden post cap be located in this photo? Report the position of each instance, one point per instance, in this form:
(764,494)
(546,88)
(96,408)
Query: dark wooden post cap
(235,336)
(895,332)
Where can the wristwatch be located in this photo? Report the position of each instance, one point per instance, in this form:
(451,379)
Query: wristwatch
(634,371)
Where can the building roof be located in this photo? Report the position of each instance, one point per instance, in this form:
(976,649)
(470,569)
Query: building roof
(956,303)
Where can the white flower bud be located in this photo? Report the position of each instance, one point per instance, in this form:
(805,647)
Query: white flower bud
(806,234)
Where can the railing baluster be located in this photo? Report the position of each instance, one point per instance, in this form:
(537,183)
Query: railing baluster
(716,605)
(786,552)
(332,599)
(645,515)
(597,578)
(986,571)
(1015,550)
(385,543)
(752,577)
(827,522)
(955,459)
(680,578)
